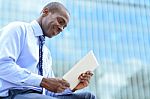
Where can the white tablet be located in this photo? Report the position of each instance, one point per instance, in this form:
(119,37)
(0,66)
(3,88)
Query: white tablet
(88,62)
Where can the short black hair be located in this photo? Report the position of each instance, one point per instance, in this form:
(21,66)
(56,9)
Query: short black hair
(55,7)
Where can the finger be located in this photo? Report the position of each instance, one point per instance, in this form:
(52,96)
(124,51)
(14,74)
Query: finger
(62,83)
(59,90)
(87,73)
(84,77)
(63,87)
(65,83)
(85,80)
(90,73)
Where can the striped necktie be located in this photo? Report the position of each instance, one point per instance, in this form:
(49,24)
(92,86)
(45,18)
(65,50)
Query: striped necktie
(41,43)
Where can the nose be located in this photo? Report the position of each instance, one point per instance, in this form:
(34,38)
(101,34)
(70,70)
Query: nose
(60,29)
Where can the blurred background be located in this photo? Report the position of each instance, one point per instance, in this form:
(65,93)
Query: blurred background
(118,32)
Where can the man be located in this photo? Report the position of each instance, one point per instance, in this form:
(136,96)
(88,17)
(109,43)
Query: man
(25,64)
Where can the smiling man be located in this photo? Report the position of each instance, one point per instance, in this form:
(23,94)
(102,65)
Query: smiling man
(25,62)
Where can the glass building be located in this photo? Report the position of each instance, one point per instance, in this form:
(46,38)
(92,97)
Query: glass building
(116,30)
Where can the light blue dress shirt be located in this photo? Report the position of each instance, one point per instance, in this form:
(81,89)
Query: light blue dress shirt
(19,56)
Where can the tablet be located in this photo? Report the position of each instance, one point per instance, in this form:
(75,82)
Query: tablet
(87,63)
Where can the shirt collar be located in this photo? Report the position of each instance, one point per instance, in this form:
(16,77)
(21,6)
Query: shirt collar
(36,28)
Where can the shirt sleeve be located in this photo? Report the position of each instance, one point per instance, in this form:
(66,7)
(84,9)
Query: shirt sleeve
(12,40)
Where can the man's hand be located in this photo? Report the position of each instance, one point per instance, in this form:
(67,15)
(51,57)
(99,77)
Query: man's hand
(84,80)
(56,85)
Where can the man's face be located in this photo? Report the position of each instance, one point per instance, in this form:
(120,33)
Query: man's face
(54,23)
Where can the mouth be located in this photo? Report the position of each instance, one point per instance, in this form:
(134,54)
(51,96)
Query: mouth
(53,33)
(56,31)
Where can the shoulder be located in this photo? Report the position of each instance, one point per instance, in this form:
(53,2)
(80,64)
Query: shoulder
(16,25)
(16,28)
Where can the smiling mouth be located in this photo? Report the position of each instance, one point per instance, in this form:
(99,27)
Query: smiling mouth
(56,31)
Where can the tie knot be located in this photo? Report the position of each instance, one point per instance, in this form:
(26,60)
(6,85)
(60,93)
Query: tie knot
(42,39)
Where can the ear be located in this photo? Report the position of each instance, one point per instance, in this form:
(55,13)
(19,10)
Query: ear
(45,12)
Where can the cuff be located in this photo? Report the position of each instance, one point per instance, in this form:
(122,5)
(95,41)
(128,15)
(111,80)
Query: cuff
(34,80)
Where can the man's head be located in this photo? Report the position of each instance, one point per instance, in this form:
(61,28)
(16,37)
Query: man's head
(54,19)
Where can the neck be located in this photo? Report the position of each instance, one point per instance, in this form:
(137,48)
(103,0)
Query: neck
(39,20)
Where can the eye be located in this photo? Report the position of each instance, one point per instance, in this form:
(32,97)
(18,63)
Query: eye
(61,21)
